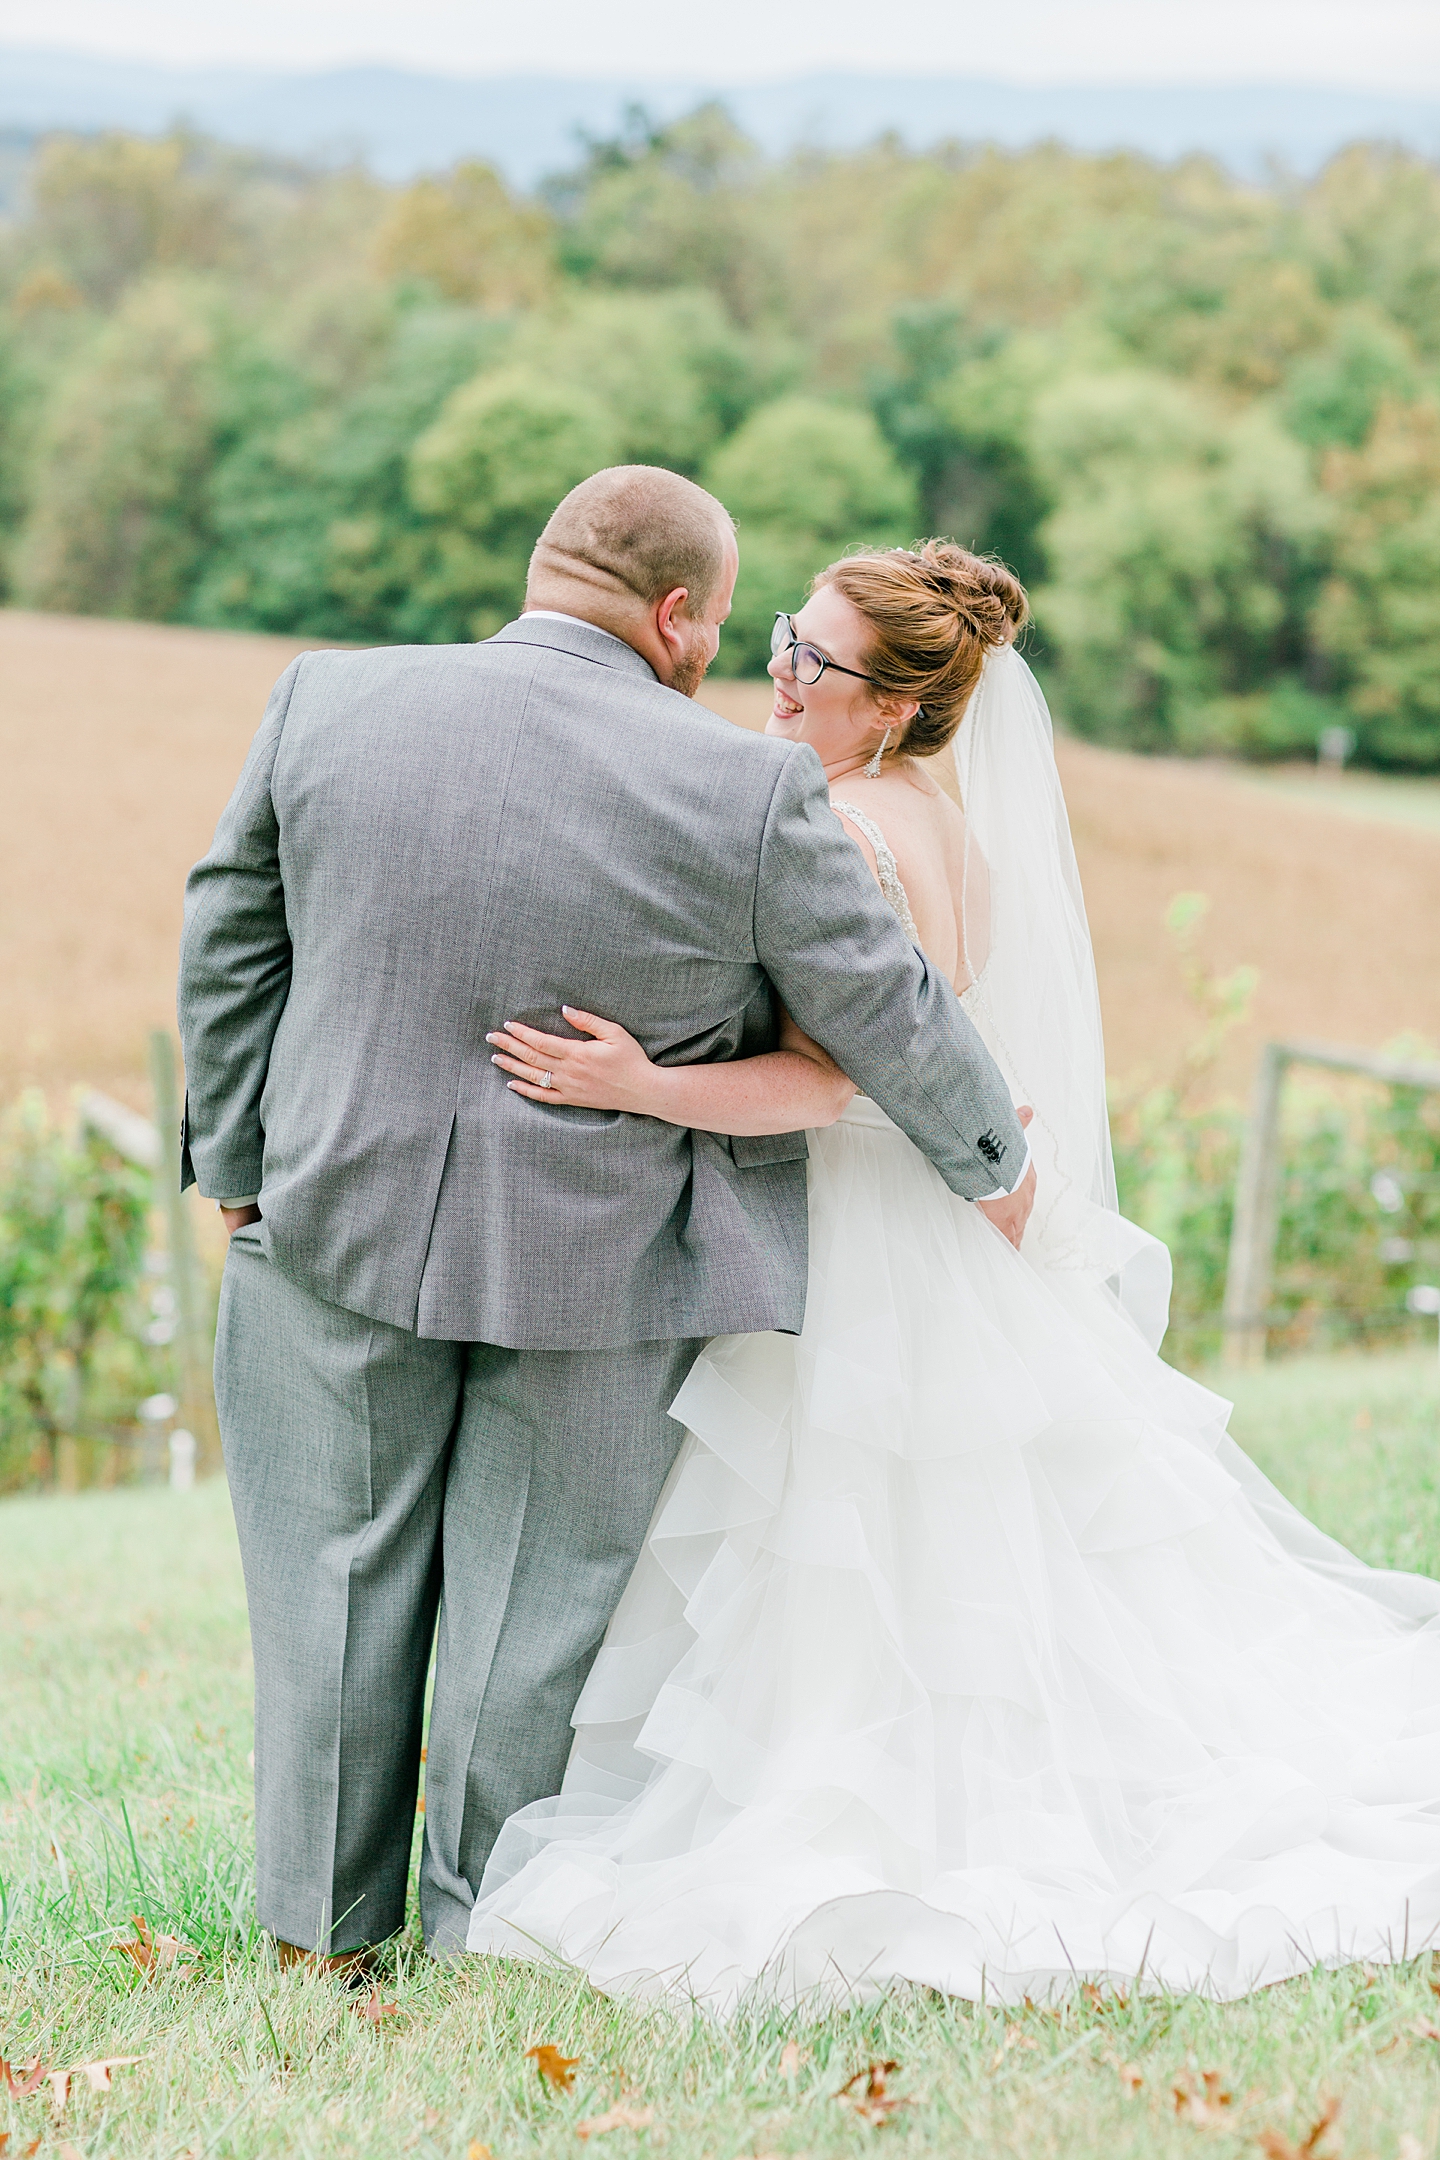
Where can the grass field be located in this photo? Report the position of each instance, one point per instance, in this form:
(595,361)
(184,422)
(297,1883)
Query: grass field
(121,741)
(124,1732)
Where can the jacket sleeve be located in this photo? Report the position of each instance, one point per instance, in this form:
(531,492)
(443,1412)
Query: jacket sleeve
(235,964)
(852,980)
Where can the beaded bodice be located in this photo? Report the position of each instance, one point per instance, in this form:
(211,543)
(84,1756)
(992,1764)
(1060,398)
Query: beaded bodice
(885,867)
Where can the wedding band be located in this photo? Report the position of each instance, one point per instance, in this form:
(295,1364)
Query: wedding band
(547,1079)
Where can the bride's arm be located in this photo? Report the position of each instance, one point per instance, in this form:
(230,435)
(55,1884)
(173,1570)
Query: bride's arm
(782,1091)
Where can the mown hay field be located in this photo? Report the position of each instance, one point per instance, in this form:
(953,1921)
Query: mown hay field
(119,743)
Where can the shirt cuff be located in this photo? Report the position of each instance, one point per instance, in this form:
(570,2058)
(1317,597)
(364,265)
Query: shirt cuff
(250,1201)
(1004,1192)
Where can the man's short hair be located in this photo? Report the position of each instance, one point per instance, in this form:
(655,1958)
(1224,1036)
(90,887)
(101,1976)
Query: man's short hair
(634,529)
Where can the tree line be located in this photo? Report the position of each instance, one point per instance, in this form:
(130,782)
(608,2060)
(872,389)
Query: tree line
(1200,418)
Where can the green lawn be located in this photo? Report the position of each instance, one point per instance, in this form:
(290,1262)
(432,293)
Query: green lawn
(124,1731)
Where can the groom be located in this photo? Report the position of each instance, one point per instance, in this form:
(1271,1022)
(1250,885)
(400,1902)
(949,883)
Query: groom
(452,1321)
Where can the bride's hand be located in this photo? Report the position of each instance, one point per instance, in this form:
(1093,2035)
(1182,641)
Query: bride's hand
(611,1072)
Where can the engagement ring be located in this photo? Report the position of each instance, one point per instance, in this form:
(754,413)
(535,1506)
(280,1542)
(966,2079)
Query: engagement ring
(547,1079)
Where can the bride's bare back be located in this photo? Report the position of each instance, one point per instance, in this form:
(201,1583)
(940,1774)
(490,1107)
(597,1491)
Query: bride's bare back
(926,833)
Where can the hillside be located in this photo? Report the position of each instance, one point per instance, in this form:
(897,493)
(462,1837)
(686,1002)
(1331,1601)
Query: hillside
(120,742)
(406,122)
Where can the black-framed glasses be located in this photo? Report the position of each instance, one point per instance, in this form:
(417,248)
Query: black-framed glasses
(807,662)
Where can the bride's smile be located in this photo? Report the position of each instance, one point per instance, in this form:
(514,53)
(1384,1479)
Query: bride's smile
(824,694)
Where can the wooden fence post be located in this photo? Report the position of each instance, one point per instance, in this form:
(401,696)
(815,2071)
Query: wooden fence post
(1250,1274)
(1257,1215)
(197,1392)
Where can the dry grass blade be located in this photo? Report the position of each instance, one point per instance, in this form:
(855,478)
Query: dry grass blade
(876,2104)
(556,2069)
(619,2117)
(792,2055)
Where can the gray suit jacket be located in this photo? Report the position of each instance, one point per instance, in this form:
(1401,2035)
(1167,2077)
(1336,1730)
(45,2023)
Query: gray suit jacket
(428,841)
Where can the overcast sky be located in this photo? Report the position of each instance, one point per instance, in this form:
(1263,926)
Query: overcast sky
(1374,44)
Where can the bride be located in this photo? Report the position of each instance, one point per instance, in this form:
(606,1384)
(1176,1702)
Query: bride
(965,1647)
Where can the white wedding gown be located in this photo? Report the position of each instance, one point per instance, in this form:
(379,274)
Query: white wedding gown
(966,1649)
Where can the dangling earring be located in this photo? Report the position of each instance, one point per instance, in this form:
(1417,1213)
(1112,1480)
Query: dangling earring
(872,770)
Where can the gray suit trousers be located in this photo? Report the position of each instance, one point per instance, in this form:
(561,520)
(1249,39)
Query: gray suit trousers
(378,1478)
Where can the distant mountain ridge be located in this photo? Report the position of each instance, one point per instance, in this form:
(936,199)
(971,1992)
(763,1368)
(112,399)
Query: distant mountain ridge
(402,123)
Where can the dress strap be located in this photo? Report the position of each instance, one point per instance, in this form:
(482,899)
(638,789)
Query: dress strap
(885,867)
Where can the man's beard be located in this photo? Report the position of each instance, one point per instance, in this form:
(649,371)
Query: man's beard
(690,672)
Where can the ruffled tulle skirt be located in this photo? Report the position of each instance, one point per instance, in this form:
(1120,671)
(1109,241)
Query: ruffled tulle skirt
(966,1649)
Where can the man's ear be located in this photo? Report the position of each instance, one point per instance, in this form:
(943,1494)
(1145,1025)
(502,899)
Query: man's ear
(672,605)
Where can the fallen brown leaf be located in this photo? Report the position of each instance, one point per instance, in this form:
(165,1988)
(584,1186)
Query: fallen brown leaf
(59,2083)
(1425,2029)
(25,2084)
(71,2152)
(476,2151)
(1276,2146)
(432,2118)
(152,1952)
(4,2141)
(1129,2076)
(557,2070)
(375,2009)
(1203,2104)
(618,2117)
(1015,2037)
(791,2057)
(876,2104)
(98,2075)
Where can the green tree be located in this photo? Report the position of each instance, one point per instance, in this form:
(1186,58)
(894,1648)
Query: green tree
(111,208)
(488,472)
(470,239)
(1379,615)
(1333,395)
(315,529)
(669,367)
(118,523)
(803,481)
(670,206)
(1181,553)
